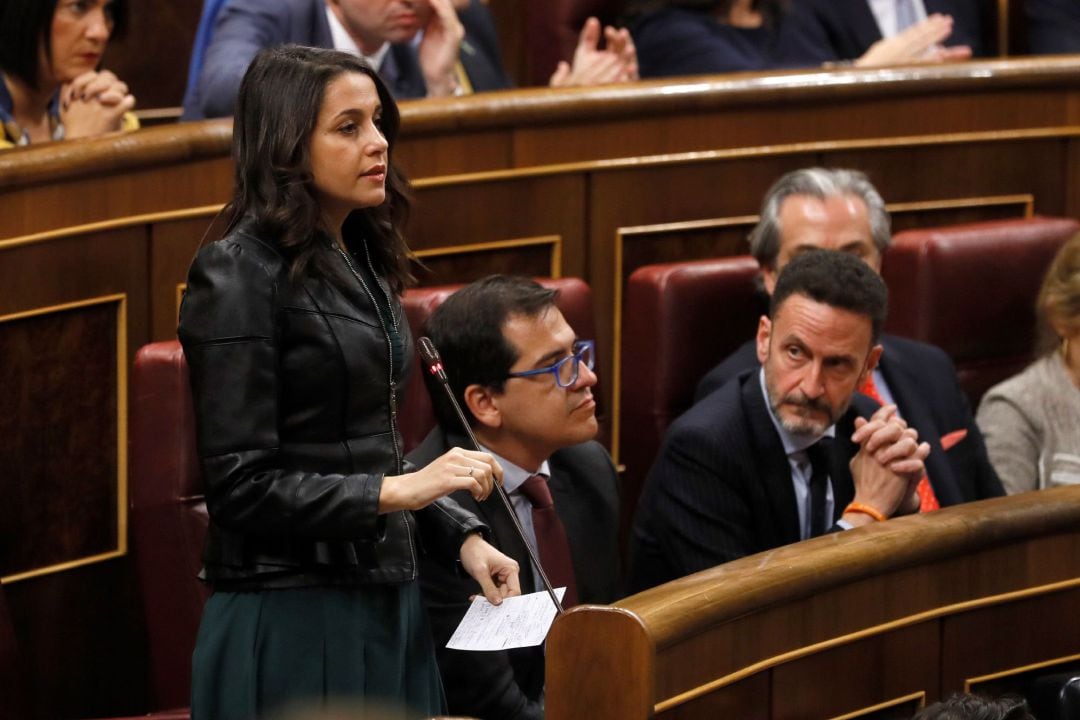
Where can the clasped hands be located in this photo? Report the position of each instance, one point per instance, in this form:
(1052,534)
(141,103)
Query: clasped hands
(888,466)
(94,103)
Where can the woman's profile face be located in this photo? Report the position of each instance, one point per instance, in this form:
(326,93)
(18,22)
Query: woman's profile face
(78,36)
(349,153)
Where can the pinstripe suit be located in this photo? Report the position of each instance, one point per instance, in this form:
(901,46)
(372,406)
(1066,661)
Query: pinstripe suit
(721,486)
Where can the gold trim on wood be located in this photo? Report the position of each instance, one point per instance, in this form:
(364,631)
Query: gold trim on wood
(969,683)
(616,356)
(920,696)
(695,157)
(114,224)
(1025,200)
(121,431)
(555,241)
(954,609)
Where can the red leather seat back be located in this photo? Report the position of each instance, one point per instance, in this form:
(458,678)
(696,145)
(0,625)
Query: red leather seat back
(416,415)
(971,290)
(678,321)
(168,516)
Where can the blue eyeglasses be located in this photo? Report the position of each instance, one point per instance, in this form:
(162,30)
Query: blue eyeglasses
(566,370)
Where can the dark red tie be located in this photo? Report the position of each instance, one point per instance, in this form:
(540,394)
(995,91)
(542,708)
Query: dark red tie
(551,538)
(927,500)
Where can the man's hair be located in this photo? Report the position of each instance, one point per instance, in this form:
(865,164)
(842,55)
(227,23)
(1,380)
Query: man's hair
(467,330)
(821,183)
(977,707)
(837,279)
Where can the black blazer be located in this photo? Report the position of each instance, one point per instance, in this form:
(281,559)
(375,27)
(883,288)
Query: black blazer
(1053,26)
(818,31)
(495,685)
(291,388)
(721,486)
(923,383)
(480,54)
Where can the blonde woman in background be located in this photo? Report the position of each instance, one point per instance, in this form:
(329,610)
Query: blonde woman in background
(1031,422)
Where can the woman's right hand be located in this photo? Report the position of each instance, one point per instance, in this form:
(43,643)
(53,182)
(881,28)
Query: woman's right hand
(94,104)
(457,469)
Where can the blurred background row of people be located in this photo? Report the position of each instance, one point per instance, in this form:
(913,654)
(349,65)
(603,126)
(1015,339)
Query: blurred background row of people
(55,88)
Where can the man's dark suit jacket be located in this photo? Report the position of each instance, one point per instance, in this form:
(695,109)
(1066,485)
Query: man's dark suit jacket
(818,31)
(923,383)
(496,685)
(721,487)
(244,27)
(1053,26)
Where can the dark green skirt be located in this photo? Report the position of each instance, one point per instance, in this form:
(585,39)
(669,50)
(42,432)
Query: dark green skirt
(315,648)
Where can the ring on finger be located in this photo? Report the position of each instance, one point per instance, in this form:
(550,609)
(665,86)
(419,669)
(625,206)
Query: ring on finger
(471,469)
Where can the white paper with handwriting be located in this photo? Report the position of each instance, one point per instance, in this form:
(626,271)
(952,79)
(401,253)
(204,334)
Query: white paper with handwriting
(521,621)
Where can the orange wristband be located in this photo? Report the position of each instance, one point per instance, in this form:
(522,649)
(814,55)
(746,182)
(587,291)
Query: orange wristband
(857,507)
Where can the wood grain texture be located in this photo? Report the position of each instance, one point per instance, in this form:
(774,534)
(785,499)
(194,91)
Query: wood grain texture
(848,620)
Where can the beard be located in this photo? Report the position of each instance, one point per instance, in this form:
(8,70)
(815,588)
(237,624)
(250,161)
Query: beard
(801,415)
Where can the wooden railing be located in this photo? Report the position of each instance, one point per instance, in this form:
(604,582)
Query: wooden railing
(874,622)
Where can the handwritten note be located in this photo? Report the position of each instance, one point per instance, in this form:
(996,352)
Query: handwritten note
(521,621)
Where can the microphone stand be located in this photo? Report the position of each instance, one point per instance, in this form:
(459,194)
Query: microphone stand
(430,356)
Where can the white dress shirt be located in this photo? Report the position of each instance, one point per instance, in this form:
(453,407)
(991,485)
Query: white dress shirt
(885,13)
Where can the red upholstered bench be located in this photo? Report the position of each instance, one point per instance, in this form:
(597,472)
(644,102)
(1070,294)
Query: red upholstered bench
(971,289)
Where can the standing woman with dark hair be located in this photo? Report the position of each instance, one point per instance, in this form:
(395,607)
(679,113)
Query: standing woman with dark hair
(294,332)
(51,86)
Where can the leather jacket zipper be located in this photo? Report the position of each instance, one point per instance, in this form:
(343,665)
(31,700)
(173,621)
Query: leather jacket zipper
(390,361)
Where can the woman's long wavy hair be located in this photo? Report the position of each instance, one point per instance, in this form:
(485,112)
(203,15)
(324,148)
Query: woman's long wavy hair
(276,112)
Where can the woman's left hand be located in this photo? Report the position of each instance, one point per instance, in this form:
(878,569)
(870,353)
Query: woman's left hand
(496,573)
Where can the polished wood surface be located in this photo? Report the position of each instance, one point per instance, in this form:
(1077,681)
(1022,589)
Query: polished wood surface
(837,624)
(568,182)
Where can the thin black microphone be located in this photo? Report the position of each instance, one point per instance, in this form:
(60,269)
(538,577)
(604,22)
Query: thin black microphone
(431,359)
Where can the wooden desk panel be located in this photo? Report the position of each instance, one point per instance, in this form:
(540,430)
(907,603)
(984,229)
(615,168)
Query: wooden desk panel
(900,612)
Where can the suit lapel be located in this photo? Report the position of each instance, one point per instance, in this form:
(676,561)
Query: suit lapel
(903,381)
(771,462)
(494,513)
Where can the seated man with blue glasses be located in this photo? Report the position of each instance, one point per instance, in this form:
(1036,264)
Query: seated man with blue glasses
(524,381)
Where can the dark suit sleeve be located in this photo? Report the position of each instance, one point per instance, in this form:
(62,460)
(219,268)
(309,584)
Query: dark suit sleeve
(1053,26)
(695,513)
(680,42)
(243,28)
(743,359)
(803,38)
(481,684)
(976,475)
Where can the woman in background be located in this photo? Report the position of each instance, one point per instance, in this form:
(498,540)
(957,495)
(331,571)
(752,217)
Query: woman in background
(50,84)
(691,37)
(1031,422)
(297,343)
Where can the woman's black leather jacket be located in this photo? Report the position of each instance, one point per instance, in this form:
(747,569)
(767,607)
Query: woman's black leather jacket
(296,425)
